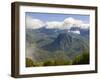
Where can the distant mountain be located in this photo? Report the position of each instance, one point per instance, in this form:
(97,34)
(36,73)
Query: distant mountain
(46,30)
(69,43)
(83,32)
(55,32)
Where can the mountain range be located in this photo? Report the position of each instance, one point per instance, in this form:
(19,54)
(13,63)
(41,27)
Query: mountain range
(71,42)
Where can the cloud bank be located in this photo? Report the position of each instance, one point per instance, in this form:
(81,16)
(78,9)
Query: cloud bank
(33,23)
(67,23)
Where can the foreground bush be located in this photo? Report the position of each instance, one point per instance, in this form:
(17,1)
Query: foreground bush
(29,63)
(78,60)
(49,63)
(57,62)
(81,59)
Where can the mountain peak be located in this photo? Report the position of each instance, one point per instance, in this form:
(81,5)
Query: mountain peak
(67,42)
(60,43)
(65,37)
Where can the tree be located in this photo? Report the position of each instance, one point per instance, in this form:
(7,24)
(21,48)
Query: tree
(82,59)
(29,62)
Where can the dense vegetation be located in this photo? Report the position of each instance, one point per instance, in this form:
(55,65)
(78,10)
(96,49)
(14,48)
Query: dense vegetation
(79,59)
(29,62)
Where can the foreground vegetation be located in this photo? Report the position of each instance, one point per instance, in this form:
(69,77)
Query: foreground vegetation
(78,60)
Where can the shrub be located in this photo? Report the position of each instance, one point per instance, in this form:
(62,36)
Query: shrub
(82,59)
(29,62)
(49,63)
(62,62)
(57,62)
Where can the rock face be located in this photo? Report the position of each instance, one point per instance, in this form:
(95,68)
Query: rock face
(67,42)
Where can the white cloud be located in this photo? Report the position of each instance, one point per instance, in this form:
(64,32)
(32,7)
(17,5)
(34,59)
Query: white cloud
(85,26)
(65,24)
(33,23)
(70,22)
(54,24)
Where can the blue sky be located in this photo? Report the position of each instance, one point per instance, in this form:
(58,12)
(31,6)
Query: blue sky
(57,17)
